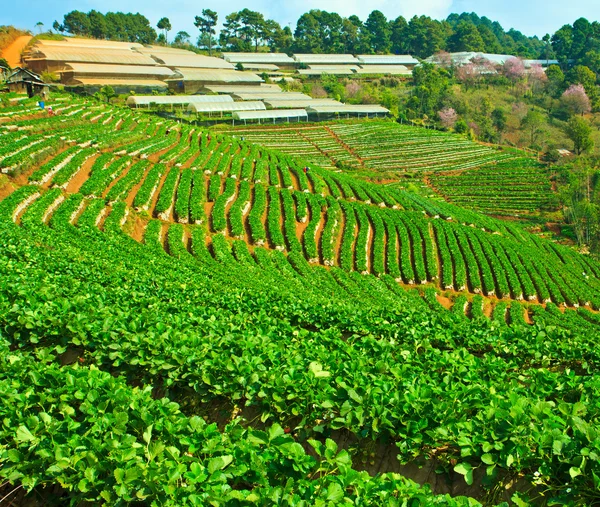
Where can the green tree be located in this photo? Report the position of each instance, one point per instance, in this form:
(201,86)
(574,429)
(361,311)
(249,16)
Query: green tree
(182,38)
(466,37)
(556,80)
(398,29)
(379,29)
(108,93)
(165,25)
(580,132)
(206,25)
(499,120)
(533,125)
(77,23)
(98,26)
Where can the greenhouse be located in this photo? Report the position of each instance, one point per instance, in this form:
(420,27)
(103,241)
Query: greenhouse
(392,70)
(296,104)
(334,70)
(193,80)
(322,59)
(137,101)
(272,58)
(348,111)
(261,88)
(387,60)
(224,107)
(270,116)
(272,96)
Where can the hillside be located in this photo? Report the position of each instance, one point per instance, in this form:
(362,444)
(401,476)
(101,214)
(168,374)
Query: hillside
(187,318)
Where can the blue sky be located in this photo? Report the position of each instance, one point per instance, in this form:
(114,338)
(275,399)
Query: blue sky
(532,17)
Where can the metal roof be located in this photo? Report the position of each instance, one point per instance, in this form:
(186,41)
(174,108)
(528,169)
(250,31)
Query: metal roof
(268,115)
(276,58)
(329,66)
(191,60)
(347,109)
(320,72)
(272,96)
(93,81)
(91,55)
(261,88)
(120,70)
(387,60)
(385,69)
(144,100)
(322,58)
(212,76)
(294,104)
(259,66)
(224,107)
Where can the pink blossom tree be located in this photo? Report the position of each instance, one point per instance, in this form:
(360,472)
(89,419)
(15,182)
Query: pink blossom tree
(514,69)
(353,89)
(448,117)
(467,74)
(537,77)
(575,100)
(443,59)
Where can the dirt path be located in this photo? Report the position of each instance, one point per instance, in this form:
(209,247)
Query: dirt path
(81,176)
(12,54)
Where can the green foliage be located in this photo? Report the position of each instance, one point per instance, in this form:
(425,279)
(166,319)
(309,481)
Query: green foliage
(580,132)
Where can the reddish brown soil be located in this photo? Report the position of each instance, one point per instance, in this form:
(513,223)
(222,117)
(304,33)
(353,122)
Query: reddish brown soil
(138,227)
(12,54)
(445,301)
(81,176)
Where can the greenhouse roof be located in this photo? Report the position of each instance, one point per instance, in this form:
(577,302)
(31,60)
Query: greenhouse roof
(270,115)
(259,66)
(387,60)
(294,104)
(191,60)
(92,55)
(73,42)
(337,70)
(385,69)
(347,109)
(275,58)
(144,100)
(212,76)
(93,81)
(224,107)
(111,69)
(272,96)
(323,59)
(261,88)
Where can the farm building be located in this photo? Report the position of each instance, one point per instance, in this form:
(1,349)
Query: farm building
(463,58)
(230,89)
(386,70)
(300,103)
(381,60)
(219,108)
(76,71)
(137,101)
(270,116)
(347,111)
(24,81)
(271,96)
(320,59)
(335,70)
(191,81)
(279,59)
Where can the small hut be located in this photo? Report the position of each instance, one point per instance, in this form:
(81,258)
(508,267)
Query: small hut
(24,81)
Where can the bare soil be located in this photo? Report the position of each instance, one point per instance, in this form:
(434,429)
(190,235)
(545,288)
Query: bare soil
(12,54)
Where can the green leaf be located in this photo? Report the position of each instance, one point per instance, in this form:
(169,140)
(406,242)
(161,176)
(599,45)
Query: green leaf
(219,463)
(24,435)
(510,460)
(574,472)
(335,492)
(466,470)
(148,434)
(275,431)
(317,370)
(488,459)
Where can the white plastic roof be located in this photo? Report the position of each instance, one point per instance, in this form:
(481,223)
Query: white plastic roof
(268,115)
(224,107)
(387,60)
(91,55)
(385,69)
(322,58)
(316,70)
(98,81)
(295,104)
(118,70)
(72,42)
(191,60)
(272,96)
(260,66)
(276,58)
(347,109)
(144,100)
(212,76)
(261,88)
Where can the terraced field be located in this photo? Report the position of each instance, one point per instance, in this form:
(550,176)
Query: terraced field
(465,173)
(356,329)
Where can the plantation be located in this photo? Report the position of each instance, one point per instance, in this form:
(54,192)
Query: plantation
(461,171)
(190,319)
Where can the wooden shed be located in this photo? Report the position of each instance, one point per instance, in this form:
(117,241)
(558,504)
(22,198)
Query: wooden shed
(24,81)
